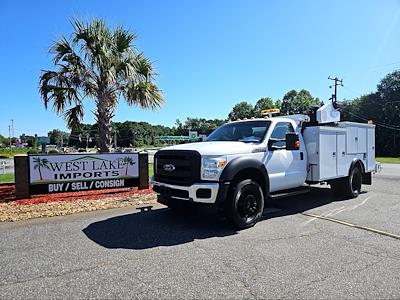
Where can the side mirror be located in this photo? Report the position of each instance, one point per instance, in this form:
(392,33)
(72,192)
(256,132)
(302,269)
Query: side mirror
(271,145)
(276,144)
(292,141)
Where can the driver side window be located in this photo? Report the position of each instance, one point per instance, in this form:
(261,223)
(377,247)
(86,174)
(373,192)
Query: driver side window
(279,133)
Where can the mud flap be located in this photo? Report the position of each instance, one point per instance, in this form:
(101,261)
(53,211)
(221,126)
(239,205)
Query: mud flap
(367,178)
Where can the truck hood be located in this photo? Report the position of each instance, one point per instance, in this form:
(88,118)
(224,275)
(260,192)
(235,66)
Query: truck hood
(216,148)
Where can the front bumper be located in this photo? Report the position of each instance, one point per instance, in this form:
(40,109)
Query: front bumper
(188,193)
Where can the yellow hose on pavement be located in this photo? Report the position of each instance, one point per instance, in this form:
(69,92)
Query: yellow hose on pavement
(381,232)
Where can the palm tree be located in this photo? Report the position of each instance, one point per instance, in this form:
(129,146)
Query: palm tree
(40,163)
(128,161)
(100,64)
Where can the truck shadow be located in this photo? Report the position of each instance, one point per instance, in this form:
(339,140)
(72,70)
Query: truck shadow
(153,228)
(162,227)
(317,197)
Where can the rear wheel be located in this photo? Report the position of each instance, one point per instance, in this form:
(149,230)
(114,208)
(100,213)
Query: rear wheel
(350,186)
(245,204)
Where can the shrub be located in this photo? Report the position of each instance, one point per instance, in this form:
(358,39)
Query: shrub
(33,151)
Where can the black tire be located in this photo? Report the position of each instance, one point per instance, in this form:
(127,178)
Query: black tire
(348,187)
(245,204)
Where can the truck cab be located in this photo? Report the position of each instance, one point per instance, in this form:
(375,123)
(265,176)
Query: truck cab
(245,162)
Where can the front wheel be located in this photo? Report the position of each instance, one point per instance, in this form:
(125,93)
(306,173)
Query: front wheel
(245,204)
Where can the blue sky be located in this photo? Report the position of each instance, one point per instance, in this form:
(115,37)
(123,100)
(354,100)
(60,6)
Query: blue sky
(209,54)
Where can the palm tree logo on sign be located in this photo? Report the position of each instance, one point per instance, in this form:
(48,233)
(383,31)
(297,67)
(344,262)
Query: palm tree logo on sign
(128,161)
(40,163)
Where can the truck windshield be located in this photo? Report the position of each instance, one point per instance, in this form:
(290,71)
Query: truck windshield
(248,132)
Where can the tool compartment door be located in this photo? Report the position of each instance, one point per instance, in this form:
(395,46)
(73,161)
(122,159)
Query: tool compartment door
(341,159)
(362,140)
(327,155)
(352,140)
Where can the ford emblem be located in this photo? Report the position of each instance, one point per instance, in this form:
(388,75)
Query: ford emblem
(168,167)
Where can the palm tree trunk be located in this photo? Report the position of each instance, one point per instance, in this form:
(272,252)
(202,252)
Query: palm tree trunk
(104,114)
(104,134)
(40,173)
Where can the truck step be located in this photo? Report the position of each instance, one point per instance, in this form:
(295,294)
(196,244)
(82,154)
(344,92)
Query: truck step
(290,192)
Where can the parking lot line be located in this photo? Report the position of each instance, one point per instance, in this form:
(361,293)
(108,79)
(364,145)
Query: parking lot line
(378,231)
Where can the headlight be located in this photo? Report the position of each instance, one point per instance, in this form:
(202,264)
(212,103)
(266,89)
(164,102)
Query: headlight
(212,166)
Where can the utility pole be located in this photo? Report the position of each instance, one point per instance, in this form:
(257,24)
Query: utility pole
(12,127)
(115,139)
(337,82)
(9,136)
(88,139)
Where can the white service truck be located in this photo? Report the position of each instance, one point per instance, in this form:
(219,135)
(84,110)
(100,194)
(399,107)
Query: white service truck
(244,163)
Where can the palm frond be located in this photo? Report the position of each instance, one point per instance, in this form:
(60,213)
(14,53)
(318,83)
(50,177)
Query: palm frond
(74,116)
(44,86)
(60,49)
(144,94)
(143,66)
(122,40)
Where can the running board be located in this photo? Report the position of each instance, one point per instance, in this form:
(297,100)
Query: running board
(290,192)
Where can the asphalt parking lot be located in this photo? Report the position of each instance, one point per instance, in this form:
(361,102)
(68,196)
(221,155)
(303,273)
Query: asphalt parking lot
(292,253)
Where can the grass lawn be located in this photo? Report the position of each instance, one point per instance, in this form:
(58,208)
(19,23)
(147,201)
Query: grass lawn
(5,152)
(388,160)
(7,177)
(151,170)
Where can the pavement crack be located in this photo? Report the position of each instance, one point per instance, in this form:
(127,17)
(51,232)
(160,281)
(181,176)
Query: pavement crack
(50,276)
(243,282)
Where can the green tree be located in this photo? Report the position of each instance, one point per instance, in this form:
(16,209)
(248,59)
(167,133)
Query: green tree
(101,64)
(287,106)
(179,128)
(383,108)
(278,104)
(80,133)
(294,102)
(7,141)
(263,103)
(241,110)
(201,125)
(29,139)
(58,137)
(1,140)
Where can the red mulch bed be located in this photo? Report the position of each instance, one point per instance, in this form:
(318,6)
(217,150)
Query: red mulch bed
(7,194)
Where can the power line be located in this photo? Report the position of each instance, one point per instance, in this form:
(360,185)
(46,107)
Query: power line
(376,123)
(385,65)
(373,69)
(354,91)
